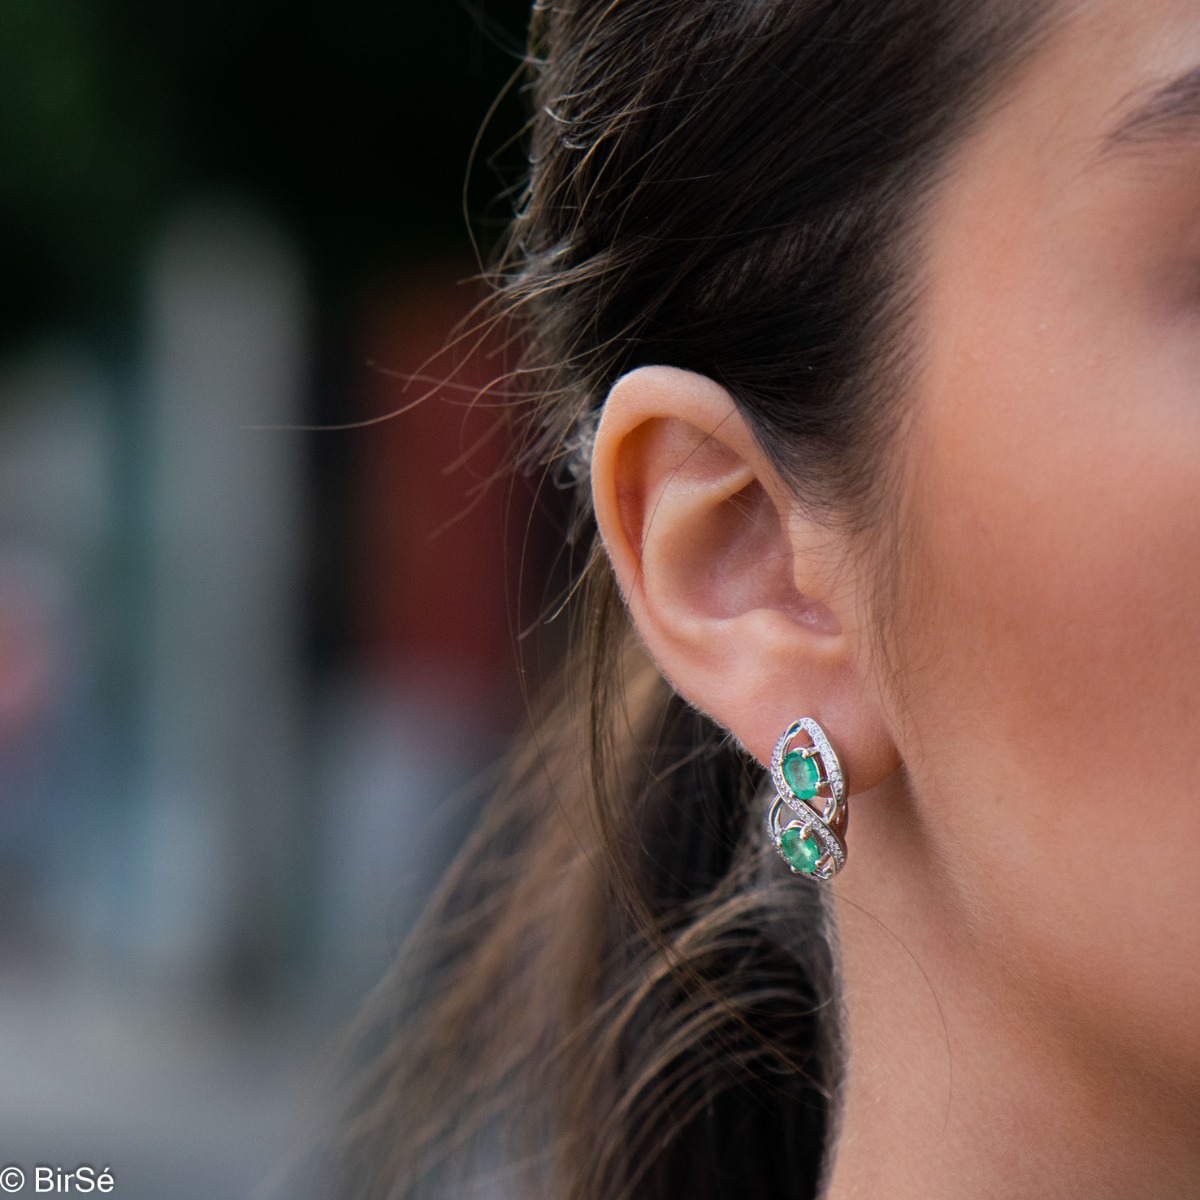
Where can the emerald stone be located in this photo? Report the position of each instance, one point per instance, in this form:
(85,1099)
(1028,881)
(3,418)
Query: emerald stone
(801,774)
(800,852)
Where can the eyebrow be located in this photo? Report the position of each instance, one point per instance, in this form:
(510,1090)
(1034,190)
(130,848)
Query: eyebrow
(1169,114)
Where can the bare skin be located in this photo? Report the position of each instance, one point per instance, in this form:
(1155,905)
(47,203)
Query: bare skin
(1020,916)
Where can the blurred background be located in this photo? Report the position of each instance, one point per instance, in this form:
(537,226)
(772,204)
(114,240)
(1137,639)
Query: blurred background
(249,657)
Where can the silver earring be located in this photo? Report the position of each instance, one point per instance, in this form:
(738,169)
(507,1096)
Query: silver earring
(807,820)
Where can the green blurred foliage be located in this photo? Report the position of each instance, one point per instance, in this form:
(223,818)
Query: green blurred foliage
(352,121)
(81,164)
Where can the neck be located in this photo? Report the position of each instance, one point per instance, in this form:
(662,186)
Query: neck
(958,1082)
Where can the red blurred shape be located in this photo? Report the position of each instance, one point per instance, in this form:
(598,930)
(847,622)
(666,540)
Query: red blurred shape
(441,526)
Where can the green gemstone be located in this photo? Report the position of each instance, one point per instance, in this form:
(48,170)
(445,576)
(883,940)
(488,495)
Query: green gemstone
(801,774)
(801,852)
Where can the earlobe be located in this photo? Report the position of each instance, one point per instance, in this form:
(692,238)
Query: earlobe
(733,592)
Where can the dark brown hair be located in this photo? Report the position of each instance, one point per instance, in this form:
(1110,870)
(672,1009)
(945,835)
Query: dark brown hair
(616,993)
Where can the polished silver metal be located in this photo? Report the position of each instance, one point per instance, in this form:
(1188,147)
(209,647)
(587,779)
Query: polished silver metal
(826,822)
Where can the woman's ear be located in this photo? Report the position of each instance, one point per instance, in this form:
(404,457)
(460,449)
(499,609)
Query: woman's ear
(750,608)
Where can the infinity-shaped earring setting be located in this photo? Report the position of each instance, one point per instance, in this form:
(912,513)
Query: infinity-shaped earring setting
(807,820)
